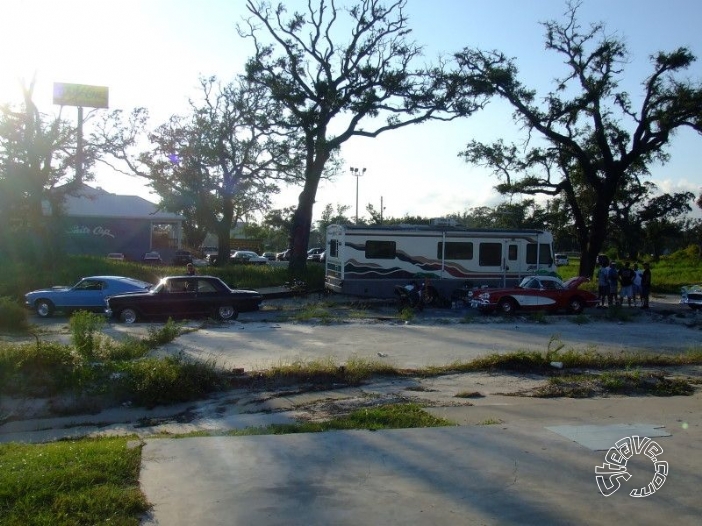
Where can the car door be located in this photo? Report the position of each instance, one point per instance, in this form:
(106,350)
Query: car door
(550,295)
(178,298)
(208,296)
(86,294)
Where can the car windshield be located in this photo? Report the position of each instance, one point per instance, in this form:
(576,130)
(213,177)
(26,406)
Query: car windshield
(536,283)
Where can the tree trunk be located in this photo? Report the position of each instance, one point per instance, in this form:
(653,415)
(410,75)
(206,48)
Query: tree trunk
(302,220)
(590,249)
(301,226)
(224,234)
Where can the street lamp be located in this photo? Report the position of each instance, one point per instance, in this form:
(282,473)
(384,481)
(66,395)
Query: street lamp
(357,172)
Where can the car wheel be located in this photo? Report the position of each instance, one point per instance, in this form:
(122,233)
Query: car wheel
(128,315)
(227,312)
(507,306)
(575,306)
(44,308)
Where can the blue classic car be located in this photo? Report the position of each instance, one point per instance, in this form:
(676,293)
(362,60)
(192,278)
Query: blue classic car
(88,294)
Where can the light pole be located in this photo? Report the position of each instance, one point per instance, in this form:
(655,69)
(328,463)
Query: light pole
(357,172)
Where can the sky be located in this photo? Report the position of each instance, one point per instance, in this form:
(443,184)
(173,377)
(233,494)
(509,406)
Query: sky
(151,53)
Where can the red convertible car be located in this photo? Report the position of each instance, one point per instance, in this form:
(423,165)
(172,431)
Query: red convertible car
(536,293)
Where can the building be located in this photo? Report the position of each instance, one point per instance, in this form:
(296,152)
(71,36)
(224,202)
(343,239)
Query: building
(97,222)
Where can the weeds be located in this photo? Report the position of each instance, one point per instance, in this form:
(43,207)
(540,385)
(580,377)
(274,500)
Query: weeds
(490,422)
(613,382)
(538,317)
(391,416)
(13,316)
(407,314)
(85,329)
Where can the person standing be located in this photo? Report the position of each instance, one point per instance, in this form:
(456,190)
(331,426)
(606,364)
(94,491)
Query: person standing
(645,285)
(190,269)
(626,279)
(613,278)
(637,283)
(603,284)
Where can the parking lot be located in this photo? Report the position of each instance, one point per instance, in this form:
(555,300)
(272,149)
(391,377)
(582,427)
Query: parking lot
(373,331)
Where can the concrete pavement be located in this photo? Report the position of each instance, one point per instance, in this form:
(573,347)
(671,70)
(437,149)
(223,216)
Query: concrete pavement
(511,469)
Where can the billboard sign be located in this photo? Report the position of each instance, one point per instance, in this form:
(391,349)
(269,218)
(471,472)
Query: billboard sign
(81,95)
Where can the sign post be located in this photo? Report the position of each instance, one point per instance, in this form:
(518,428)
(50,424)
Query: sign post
(81,95)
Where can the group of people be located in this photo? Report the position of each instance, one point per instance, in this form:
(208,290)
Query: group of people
(630,283)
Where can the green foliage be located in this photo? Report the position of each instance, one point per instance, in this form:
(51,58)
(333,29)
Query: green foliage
(152,381)
(71,483)
(391,416)
(19,278)
(13,316)
(166,334)
(85,329)
(41,369)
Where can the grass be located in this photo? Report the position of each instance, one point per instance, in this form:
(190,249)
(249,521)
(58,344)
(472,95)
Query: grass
(21,277)
(613,382)
(91,481)
(390,416)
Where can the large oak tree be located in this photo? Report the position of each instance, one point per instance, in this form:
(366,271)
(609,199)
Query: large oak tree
(586,140)
(341,73)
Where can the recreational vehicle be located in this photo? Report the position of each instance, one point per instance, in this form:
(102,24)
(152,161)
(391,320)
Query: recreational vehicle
(370,260)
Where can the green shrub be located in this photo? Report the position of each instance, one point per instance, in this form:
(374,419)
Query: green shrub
(41,369)
(166,334)
(13,316)
(151,382)
(85,329)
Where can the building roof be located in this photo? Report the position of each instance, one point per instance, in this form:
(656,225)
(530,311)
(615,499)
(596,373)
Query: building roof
(96,202)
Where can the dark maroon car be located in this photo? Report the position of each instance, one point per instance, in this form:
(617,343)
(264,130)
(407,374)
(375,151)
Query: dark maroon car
(184,297)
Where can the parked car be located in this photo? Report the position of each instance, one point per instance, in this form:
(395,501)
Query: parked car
(182,257)
(536,293)
(270,256)
(284,255)
(247,257)
(313,253)
(117,256)
(88,294)
(184,297)
(561,260)
(152,258)
(319,257)
(692,296)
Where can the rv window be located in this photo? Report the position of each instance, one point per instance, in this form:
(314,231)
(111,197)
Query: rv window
(455,250)
(490,255)
(380,250)
(512,253)
(334,248)
(544,254)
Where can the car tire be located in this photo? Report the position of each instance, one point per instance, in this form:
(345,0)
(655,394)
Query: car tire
(128,315)
(575,306)
(44,308)
(226,312)
(507,306)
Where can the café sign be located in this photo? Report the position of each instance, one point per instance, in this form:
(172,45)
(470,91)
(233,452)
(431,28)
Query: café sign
(82,95)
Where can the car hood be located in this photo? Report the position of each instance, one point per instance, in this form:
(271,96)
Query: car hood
(58,288)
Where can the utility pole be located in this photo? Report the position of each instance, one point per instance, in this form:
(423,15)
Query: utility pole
(357,172)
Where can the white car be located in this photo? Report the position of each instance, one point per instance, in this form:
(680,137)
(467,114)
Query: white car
(561,260)
(248,257)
